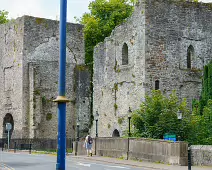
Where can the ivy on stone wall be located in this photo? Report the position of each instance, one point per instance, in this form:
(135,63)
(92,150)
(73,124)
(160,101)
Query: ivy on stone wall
(48,116)
(206,87)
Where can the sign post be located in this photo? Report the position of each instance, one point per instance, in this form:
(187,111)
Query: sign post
(8,128)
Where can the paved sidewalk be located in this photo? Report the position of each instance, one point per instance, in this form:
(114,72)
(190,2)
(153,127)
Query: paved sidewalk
(150,165)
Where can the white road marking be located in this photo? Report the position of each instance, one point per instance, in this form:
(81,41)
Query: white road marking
(83,164)
(120,167)
(112,166)
(6,167)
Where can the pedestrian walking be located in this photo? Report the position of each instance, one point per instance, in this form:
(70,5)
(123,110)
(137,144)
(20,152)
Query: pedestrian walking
(88,144)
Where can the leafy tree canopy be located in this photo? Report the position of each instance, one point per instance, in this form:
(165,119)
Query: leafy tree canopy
(104,16)
(158,115)
(3,17)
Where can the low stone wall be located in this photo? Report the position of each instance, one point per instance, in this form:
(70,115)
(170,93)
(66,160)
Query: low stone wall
(201,155)
(159,151)
(139,149)
(112,147)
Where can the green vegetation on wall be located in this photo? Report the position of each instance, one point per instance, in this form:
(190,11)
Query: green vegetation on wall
(48,116)
(206,87)
(3,16)
(120,120)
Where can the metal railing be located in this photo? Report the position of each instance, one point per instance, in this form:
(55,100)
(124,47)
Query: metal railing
(35,144)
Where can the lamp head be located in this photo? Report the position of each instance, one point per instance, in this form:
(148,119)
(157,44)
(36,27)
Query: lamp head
(179,115)
(97,115)
(129,117)
(130,111)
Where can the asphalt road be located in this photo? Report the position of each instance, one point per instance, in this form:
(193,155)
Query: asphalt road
(22,161)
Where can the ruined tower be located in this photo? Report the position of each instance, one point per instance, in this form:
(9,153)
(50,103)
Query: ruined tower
(163,45)
(29,59)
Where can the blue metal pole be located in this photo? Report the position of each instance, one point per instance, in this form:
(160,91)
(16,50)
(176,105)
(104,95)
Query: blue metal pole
(62,79)
(61,99)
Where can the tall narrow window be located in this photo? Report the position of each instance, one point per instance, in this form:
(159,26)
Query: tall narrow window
(190,53)
(157,85)
(125,54)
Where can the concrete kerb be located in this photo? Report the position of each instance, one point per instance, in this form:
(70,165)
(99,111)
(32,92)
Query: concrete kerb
(144,164)
(121,162)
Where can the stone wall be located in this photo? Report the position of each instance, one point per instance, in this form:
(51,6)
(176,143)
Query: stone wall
(158,35)
(201,155)
(83,98)
(11,74)
(30,50)
(171,27)
(118,87)
(140,149)
(41,47)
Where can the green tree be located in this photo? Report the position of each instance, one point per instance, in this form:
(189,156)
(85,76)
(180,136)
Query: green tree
(158,115)
(3,17)
(206,88)
(201,126)
(104,16)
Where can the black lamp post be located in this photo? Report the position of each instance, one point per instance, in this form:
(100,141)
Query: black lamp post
(128,145)
(77,131)
(129,117)
(96,127)
(179,117)
(97,115)
(76,148)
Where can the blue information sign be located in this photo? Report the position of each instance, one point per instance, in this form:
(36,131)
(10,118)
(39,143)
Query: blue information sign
(169,136)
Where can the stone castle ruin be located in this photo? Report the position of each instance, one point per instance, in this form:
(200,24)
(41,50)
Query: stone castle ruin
(29,63)
(163,45)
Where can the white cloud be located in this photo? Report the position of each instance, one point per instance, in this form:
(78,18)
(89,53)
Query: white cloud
(18,8)
(44,8)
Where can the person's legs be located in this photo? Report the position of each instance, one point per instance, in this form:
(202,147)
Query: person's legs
(87,152)
(90,149)
(91,152)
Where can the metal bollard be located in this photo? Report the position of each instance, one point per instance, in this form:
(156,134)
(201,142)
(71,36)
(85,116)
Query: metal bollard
(30,148)
(15,148)
(76,148)
(189,158)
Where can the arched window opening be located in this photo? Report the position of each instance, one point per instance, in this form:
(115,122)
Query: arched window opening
(8,119)
(116,133)
(157,85)
(190,53)
(125,54)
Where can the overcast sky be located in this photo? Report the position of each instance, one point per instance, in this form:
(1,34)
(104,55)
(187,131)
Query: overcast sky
(46,8)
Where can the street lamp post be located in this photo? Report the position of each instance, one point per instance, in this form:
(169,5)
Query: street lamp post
(129,118)
(97,115)
(179,117)
(78,131)
(128,147)
(61,98)
(77,141)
